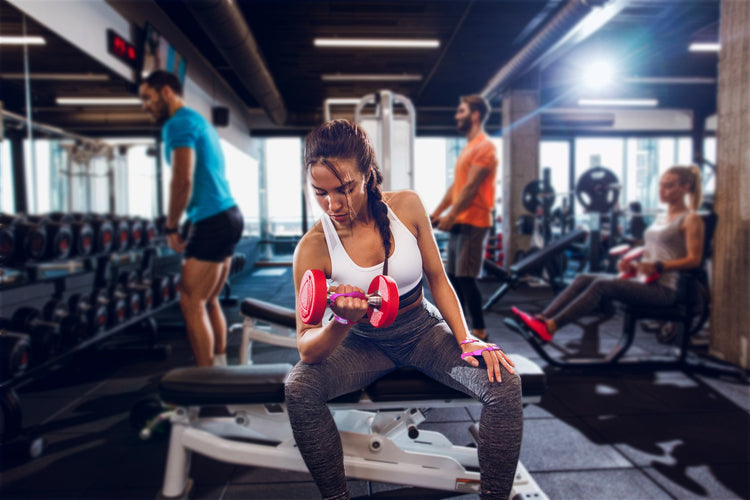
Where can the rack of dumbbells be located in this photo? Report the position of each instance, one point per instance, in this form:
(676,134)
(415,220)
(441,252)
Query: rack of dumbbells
(67,282)
(493,250)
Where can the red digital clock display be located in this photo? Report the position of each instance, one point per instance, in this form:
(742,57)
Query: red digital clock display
(122,49)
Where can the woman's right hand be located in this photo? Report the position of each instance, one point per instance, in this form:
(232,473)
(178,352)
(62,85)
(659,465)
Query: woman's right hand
(624,266)
(352,309)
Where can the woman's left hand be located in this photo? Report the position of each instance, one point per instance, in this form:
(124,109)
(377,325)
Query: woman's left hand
(492,358)
(646,268)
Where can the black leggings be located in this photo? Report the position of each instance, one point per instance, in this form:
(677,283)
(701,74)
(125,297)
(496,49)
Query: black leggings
(419,338)
(470,298)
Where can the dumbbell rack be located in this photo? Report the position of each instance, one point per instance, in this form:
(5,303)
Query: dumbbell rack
(31,285)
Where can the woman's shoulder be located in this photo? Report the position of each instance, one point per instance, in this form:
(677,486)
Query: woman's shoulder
(312,246)
(405,199)
(692,218)
(408,208)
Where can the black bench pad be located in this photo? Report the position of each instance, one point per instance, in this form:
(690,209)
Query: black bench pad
(214,385)
(254,384)
(259,309)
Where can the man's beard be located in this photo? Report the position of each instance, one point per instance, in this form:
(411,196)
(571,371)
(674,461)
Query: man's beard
(463,126)
(161,115)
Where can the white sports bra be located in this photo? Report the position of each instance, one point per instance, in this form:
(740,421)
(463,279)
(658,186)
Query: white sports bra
(404,264)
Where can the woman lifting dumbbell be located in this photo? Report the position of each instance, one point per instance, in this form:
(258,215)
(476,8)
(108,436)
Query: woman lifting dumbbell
(674,242)
(363,234)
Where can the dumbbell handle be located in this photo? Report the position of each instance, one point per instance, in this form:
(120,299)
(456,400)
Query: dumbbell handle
(373,299)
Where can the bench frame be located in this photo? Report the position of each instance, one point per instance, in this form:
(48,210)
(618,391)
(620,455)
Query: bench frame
(380,444)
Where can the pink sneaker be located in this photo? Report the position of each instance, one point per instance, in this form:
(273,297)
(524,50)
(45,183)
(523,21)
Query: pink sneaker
(535,325)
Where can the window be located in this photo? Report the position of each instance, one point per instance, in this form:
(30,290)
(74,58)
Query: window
(555,155)
(282,164)
(7,191)
(430,166)
(141,182)
(709,170)
(242,175)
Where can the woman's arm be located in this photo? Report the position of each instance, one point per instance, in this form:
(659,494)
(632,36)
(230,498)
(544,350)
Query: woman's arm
(693,229)
(409,209)
(317,342)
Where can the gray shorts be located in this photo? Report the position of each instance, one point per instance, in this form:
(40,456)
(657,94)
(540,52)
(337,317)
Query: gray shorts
(466,250)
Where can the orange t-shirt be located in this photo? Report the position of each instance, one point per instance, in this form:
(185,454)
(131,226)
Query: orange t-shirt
(480,152)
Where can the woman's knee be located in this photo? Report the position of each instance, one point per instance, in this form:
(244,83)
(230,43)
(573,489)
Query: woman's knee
(504,393)
(301,387)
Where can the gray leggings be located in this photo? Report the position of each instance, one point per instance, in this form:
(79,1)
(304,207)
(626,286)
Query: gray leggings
(418,338)
(589,291)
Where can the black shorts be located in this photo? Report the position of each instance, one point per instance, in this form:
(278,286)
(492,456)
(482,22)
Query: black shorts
(214,238)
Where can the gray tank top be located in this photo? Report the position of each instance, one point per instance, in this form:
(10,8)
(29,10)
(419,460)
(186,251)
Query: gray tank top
(664,241)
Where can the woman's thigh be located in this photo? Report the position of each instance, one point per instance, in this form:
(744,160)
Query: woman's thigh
(353,365)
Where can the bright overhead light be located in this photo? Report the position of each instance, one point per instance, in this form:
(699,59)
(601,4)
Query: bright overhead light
(385,43)
(22,40)
(671,80)
(61,77)
(98,101)
(598,75)
(619,102)
(704,47)
(340,77)
(343,101)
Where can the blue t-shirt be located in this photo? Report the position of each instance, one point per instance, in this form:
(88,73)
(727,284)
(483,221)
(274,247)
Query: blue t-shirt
(211,195)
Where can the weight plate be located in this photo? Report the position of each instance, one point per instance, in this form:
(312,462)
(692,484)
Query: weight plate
(598,189)
(313,296)
(534,196)
(383,316)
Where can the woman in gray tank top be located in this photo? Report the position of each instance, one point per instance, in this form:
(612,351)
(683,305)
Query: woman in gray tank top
(674,242)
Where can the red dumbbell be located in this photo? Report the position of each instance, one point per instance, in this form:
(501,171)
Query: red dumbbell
(314,295)
(631,255)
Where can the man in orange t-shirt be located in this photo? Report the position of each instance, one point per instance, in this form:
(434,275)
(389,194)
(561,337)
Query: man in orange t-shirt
(471,199)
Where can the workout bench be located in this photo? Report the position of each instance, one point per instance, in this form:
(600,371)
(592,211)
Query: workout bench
(378,424)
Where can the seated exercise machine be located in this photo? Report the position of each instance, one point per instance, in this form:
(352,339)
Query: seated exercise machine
(688,314)
(378,424)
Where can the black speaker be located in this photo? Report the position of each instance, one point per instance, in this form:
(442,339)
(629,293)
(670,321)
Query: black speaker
(220,116)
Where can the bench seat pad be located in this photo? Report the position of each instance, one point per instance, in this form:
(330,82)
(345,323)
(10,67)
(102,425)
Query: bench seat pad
(258,384)
(258,309)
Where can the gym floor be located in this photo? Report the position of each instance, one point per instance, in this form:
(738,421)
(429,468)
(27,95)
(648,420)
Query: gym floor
(621,434)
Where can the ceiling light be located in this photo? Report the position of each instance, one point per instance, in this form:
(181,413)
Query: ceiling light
(22,40)
(704,47)
(598,75)
(62,77)
(619,102)
(98,101)
(343,100)
(671,80)
(385,43)
(339,77)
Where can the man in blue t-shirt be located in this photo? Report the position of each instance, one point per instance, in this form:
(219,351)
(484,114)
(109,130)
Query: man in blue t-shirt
(200,189)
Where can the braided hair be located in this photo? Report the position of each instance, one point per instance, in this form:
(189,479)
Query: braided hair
(345,140)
